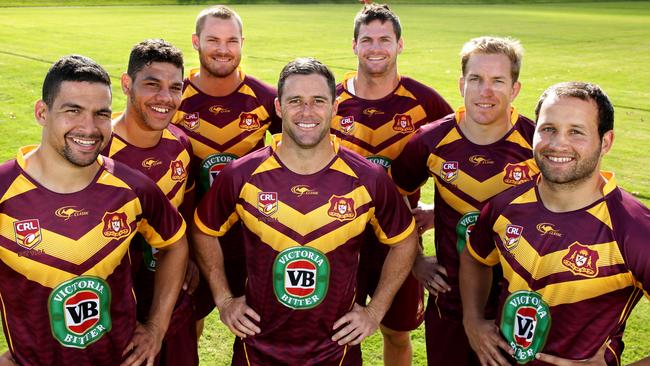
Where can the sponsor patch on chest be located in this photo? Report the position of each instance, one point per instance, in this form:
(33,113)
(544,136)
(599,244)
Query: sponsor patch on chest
(525,323)
(301,277)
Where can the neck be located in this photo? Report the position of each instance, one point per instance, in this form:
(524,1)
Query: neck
(375,87)
(217,86)
(305,161)
(55,173)
(128,129)
(571,196)
(485,134)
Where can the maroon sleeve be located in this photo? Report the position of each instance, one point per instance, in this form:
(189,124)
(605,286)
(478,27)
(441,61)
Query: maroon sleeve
(393,220)
(163,225)
(410,170)
(481,243)
(631,225)
(216,212)
(437,107)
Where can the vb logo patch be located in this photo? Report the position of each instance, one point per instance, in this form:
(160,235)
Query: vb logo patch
(249,121)
(515,174)
(28,233)
(382,161)
(191,121)
(211,166)
(347,124)
(402,123)
(301,277)
(512,236)
(341,208)
(581,260)
(149,256)
(525,323)
(115,225)
(80,311)
(464,228)
(267,203)
(449,171)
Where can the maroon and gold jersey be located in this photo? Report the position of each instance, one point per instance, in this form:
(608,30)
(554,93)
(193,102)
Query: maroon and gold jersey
(466,176)
(379,129)
(590,266)
(222,129)
(66,288)
(302,235)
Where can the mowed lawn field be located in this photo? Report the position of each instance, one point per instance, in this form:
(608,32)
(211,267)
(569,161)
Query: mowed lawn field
(605,43)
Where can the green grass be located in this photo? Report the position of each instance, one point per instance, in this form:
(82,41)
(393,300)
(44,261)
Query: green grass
(607,43)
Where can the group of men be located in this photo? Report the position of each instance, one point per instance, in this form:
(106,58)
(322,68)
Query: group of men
(539,255)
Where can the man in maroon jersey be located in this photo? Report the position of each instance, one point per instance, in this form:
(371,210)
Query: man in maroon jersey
(379,110)
(68,216)
(304,205)
(482,149)
(226,114)
(573,246)
(144,140)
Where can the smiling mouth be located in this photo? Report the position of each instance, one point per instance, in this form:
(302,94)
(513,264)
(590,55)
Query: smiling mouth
(85,141)
(160,109)
(559,159)
(307,125)
(484,105)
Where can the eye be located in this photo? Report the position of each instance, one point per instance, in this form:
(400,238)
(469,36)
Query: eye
(547,129)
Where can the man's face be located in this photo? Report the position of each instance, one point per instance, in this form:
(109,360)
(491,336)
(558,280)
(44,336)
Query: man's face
(566,145)
(78,123)
(487,88)
(219,46)
(154,95)
(306,110)
(377,48)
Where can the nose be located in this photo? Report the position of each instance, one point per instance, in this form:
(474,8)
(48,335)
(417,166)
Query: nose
(486,89)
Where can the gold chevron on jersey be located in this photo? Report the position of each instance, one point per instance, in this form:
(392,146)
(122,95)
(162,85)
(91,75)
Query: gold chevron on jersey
(116,146)
(453,200)
(232,219)
(600,211)
(460,114)
(451,136)
(166,183)
(516,138)
(19,186)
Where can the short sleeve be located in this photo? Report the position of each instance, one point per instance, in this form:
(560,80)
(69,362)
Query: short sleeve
(392,221)
(481,245)
(216,212)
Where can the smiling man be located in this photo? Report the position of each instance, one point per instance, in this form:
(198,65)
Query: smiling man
(304,204)
(567,291)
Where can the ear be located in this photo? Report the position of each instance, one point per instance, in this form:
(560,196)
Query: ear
(277,107)
(195,41)
(400,45)
(354,47)
(126,83)
(40,112)
(335,107)
(516,87)
(242,41)
(461,86)
(606,142)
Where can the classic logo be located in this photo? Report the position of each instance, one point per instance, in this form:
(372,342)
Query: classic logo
(302,190)
(371,111)
(178,171)
(80,311)
(525,323)
(402,123)
(28,233)
(342,208)
(216,109)
(480,160)
(66,212)
(548,229)
(150,256)
(149,163)
(513,234)
(211,167)
(249,121)
(449,171)
(115,225)
(301,277)
(581,260)
(516,174)
(383,161)
(464,228)
(347,124)
(267,202)
(191,120)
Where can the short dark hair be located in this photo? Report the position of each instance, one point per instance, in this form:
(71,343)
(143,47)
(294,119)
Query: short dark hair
(586,92)
(72,68)
(379,12)
(307,66)
(488,45)
(217,11)
(153,50)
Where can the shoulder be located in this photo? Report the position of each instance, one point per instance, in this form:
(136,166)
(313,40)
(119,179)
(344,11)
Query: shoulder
(362,167)
(179,135)
(526,126)
(630,218)
(9,170)
(260,88)
(419,89)
(247,164)
(436,130)
(133,179)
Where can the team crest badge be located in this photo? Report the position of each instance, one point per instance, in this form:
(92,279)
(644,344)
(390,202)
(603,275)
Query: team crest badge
(191,121)
(382,161)
(267,203)
(80,311)
(249,121)
(513,234)
(464,228)
(216,109)
(28,233)
(449,171)
(211,166)
(115,225)
(301,277)
(347,124)
(177,170)
(342,208)
(525,323)
(402,123)
(581,260)
(516,174)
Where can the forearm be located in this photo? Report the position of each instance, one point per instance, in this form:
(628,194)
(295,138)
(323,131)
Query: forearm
(170,272)
(475,284)
(643,362)
(209,258)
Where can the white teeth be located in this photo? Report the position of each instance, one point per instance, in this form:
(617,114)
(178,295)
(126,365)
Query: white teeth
(483,105)
(306,125)
(160,110)
(84,142)
(559,160)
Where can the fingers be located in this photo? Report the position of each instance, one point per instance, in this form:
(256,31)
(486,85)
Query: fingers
(553,360)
